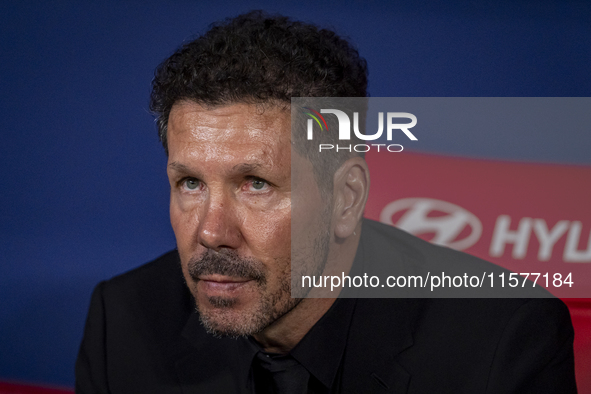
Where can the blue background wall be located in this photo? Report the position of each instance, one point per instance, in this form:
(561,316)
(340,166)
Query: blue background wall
(83,190)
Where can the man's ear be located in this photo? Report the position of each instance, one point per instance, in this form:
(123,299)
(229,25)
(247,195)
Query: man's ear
(351,187)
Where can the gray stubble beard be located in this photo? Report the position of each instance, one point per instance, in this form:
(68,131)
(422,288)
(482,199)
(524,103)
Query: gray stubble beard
(220,320)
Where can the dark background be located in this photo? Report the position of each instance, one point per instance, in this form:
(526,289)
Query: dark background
(84,194)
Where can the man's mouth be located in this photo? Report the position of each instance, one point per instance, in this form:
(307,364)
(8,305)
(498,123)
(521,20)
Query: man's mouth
(215,284)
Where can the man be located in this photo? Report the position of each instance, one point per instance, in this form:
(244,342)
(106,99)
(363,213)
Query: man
(237,179)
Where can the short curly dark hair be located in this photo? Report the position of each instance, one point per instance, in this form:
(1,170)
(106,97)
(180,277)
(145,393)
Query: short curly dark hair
(257,58)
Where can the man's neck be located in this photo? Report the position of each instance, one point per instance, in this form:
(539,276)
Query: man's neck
(286,332)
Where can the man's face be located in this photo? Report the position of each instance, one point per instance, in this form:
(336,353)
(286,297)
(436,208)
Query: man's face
(230,208)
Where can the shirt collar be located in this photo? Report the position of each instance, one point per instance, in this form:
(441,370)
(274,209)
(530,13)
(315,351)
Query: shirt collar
(320,351)
(247,350)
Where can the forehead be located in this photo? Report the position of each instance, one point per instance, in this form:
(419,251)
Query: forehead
(236,131)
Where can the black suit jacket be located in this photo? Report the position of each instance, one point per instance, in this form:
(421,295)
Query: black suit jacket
(143,336)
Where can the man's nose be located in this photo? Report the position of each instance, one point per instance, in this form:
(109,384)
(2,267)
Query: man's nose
(218,225)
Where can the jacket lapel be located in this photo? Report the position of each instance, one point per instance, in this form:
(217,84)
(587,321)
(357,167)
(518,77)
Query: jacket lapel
(382,328)
(379,332)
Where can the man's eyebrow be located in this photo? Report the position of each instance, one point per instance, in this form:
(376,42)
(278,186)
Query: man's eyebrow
(238,169)
(244,168)
(179,167)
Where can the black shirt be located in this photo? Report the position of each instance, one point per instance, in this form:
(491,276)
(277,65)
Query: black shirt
(320,352)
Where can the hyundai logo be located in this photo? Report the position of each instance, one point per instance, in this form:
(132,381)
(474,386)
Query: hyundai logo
(448,222)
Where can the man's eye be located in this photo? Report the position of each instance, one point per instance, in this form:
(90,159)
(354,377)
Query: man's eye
(192,184)
(258,184)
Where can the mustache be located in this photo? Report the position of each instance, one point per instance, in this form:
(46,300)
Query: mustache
(227,264)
